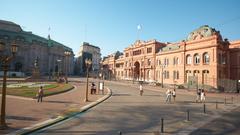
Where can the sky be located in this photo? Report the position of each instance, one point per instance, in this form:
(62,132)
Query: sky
(112,24)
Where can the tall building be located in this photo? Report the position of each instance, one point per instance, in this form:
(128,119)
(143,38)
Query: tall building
(91,52)
(203,60)
(49,53)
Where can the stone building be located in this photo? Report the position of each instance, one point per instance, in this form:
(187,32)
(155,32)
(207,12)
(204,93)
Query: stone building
(50,54)
(91,52)
(203,60)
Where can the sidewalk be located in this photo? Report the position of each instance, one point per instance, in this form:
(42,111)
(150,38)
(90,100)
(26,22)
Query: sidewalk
(22,112)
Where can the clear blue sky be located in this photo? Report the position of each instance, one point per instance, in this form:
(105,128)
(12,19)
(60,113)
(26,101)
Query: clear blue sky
(112,24)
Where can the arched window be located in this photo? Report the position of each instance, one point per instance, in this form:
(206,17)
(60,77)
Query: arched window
(189,59)
(206,58)
(196,59)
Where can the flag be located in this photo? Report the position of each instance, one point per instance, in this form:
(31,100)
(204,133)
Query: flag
(139,27)
(49,28)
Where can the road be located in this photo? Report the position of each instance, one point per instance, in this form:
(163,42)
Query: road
(132,114)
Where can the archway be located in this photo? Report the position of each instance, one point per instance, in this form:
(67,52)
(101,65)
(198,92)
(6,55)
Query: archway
(136,70)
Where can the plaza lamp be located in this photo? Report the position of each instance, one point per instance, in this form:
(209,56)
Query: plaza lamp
(5,60)
(88,63)
(67,55)
(163,66)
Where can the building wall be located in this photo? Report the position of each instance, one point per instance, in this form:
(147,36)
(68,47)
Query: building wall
(31,47)
(95,56)
(212,60)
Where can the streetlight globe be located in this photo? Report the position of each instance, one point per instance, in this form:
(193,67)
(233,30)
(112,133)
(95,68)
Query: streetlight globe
(14,47)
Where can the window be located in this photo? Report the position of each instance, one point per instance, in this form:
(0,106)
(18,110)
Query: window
(149,50)
(159,62)
(126,64)
(127,54)
(175,75)
(189,59)
(137,52)
(166,61)
(196,59)
(149,62)
(175,61)
(206,58)
(221,58)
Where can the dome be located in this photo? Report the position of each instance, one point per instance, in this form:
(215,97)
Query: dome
(203,31)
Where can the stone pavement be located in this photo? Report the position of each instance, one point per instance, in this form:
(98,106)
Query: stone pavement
(25,112)
(133,114)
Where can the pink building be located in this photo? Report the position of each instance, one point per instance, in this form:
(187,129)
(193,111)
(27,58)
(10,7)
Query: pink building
(203,60)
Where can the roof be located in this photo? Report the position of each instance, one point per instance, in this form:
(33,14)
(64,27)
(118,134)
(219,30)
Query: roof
(30,37)
(203,31)
(170,48)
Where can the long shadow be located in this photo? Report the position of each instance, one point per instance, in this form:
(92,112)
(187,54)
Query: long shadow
(121,94)
(227,124)
(21,118)
(145,117)
(52,101)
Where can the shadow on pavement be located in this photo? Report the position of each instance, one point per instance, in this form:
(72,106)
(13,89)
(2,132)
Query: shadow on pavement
(21,118)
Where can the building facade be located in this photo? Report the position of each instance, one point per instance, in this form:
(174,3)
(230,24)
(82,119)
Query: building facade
(49,53)
(203,60)
(88,51)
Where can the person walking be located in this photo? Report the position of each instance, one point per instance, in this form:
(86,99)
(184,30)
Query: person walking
(174,95)
(198,95)
(168,98)
(141,89)
(40,94)
(203,96)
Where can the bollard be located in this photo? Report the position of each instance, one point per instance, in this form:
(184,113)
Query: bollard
(216,104)
(232,100)
(204,108)
(225,100)
(119,132)
(162,125)
(188,115)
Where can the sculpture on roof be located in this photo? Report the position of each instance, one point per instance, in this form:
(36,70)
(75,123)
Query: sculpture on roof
(203,31)
(36,63)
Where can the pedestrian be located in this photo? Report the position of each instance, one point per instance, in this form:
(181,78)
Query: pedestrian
(141,89)
(168,94)
(198,95)
(40,94)
(93,88)
(174,95)
(203,96)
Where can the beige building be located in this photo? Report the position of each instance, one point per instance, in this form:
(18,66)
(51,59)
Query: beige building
(203,60)
(50,54)
(91,52)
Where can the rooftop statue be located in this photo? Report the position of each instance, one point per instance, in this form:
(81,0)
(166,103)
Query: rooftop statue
(36,63)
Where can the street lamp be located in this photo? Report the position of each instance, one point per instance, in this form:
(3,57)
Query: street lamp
(58,64)
(162,66)
(67,54)
(133,74)
(88,63)
(5,64)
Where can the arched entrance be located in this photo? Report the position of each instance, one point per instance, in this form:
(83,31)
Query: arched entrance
(136,70)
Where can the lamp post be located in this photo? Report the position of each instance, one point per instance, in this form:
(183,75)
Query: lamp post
(162,66)
(67,54)
(88,63)
(5,63)
(58,64)
(133,74)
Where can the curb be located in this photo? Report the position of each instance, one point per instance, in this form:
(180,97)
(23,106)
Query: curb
(42,125)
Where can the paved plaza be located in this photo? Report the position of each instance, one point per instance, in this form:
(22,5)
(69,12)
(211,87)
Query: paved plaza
(26,112)
(132,114)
